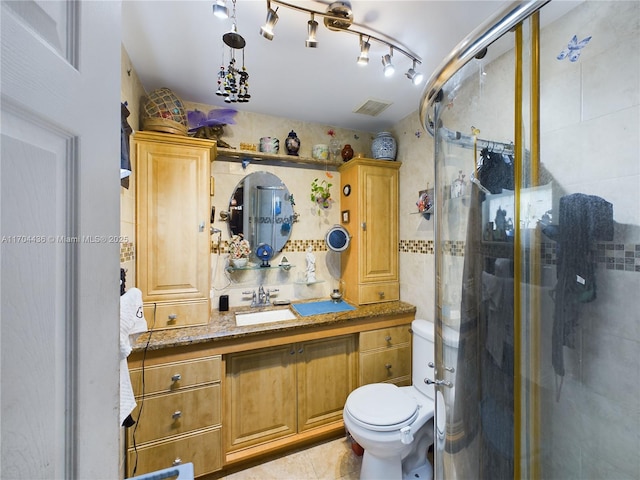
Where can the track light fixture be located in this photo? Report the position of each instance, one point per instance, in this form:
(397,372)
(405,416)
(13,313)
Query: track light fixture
(339,18)
(387,67)
(415,76)
(220,9)
(363,58)
(272,18)
(312,27)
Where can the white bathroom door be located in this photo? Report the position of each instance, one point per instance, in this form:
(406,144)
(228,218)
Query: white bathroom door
(59,218)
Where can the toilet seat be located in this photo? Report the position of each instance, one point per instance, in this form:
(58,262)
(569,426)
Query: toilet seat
(381,407)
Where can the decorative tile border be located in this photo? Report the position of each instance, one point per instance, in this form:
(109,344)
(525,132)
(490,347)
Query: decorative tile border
(609,255)
(290,246)
(417,246)
(127,252)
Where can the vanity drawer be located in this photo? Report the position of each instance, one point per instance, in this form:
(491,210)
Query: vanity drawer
(203,449)
(385,365)
(385,337)
(174,315)
(170,377)
(176,413)
(379,292)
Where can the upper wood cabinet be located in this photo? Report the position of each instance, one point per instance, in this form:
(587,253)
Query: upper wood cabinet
(370,264)
(173,211)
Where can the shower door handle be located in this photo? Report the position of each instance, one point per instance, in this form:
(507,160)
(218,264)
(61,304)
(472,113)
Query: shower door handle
(448,369)
(438,383)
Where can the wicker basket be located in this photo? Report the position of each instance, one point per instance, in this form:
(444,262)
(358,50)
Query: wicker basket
(162,111)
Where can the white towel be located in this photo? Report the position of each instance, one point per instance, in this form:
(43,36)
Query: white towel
(132,324)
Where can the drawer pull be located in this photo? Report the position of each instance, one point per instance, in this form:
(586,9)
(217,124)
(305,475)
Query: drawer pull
(176,462)
(381,294)
(388,338)
(388,366)
(176,378)
(176,415)
(172,317)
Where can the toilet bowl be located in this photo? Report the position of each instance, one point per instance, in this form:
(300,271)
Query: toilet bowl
(394,425)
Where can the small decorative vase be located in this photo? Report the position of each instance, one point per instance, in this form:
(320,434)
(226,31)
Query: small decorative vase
(292,143)
(239,262)
(347,153)
(320,151)
(269,145)
(384,146)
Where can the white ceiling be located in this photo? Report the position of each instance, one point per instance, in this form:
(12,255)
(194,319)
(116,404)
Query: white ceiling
(178,44)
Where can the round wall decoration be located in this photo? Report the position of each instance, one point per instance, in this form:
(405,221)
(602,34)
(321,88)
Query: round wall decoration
(338,238)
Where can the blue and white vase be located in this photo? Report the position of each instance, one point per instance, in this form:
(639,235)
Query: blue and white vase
(384,146)
(292,143)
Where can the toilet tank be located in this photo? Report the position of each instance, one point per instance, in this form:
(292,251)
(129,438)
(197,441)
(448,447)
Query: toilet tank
(423,353)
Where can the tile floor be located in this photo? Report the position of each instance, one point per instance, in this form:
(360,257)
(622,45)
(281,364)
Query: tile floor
(333,460)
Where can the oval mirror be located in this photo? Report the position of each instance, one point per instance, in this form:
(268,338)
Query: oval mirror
(261,209)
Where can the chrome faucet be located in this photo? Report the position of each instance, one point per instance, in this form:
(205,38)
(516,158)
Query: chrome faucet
(262,298)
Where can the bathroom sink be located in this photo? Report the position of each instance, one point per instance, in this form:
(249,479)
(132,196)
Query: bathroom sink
(267,316)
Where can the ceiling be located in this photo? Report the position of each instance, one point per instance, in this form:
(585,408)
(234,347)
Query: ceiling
(178,44)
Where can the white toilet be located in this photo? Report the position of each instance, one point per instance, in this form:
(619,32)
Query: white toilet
(394,424)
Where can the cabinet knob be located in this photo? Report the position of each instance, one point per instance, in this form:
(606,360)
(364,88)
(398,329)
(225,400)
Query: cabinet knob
(301,350)
(172,317)
(387,366)
(201,227)
(176,462)
(292,352)
(388,338)
(381,294)
(176,415)
(176,377)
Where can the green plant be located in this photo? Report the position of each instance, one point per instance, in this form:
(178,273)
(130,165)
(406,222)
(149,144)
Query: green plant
(320,193)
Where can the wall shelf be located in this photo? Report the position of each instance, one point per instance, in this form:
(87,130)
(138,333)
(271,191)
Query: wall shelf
(308,283)
(233,155)
(284,268)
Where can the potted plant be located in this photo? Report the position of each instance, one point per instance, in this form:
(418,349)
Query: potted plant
(239,251)
(320,193)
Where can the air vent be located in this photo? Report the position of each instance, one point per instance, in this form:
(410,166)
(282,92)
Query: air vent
(372,107)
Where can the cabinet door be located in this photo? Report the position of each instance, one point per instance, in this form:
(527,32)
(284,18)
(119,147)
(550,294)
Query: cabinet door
(379,245)
(173,212)
(326,376)
(261,396)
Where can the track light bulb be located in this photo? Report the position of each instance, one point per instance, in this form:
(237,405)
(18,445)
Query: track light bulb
(312,27)
(267,29)
(387,66)
(220,9)
(363,58)
(415,76)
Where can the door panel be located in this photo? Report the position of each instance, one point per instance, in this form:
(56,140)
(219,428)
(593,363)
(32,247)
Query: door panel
(59,204)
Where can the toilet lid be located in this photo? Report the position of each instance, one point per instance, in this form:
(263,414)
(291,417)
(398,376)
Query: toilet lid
(382,406)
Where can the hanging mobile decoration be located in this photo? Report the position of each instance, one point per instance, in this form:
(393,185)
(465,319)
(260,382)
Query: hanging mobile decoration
(233,83)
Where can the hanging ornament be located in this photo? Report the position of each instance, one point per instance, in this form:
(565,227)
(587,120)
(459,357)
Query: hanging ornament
(233,83)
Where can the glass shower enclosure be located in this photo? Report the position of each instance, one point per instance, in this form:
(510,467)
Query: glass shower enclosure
(536,124)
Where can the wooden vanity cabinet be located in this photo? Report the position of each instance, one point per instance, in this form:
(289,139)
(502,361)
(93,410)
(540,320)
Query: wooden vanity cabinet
(385,355)
(172,236)
(178,413)
(278,392)
(370,264)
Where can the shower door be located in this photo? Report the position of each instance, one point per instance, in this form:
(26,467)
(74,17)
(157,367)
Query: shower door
(538,250)
(474,268)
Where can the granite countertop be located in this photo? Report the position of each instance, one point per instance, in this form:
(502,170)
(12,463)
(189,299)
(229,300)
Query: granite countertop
(222,325)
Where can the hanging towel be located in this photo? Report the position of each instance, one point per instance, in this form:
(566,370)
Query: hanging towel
(132,324)
(582,220)
(125,133)
(497,295)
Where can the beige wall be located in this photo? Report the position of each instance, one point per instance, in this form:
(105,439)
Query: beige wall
(415,150)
